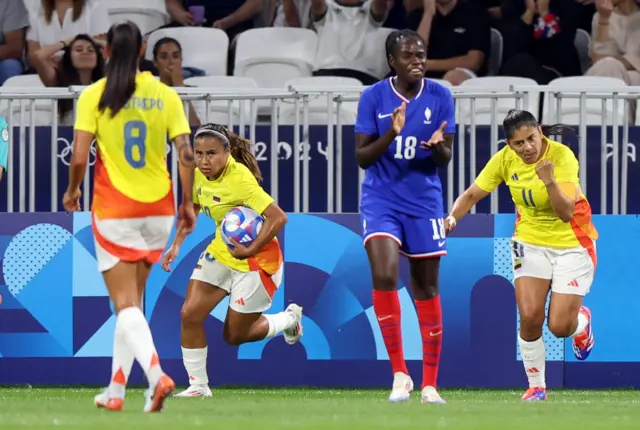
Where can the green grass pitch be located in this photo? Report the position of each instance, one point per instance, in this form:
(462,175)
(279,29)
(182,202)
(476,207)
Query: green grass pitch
(301,409)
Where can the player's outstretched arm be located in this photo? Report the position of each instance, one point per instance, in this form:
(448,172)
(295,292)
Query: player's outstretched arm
(463,205)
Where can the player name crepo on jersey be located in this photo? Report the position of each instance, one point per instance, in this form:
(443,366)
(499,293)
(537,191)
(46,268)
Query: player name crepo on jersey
(406,176)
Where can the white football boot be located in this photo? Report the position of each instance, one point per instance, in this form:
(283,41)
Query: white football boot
(402,388)
(293,335)
(196,391)
(430,395)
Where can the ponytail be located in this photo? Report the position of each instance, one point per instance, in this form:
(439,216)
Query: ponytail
(241,152)
(557,130)
(239,147)
(125,42)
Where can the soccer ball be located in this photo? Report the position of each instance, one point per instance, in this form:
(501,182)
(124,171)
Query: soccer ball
(241,223)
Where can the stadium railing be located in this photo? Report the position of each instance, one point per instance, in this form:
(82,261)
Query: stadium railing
(477,112)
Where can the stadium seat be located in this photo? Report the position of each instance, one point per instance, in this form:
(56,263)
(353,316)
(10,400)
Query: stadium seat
(43,107)
(202,48)
(273,56)
(582,43)
(483,110)
(442,82)
(219,110)
(147,14)
(570,108)
(495,57)
(317,112)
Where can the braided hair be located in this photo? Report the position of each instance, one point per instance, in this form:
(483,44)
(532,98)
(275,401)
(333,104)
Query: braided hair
(394,38)
(239,147)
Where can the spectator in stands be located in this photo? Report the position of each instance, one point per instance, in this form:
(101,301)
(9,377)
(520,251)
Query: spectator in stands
(13,24)
(232,16)
(81,64)
(167,59)
(291,13)
(458,38)
(539,39)
(344,28)
(585,17)
(615,40)
(56,20)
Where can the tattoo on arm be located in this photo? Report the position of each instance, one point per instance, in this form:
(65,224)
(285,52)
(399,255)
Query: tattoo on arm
(185,153)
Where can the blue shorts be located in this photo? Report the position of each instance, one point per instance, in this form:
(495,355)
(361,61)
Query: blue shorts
(418,237)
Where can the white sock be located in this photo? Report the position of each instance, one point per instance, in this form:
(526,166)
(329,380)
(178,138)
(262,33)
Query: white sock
(582,324)
(195,361)
(138,337)
(533,358)
(279,323)
(121,364)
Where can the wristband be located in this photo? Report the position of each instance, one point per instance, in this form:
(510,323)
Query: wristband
(452,222)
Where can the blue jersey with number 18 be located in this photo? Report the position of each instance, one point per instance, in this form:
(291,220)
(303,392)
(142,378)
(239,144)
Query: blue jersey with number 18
(405,178)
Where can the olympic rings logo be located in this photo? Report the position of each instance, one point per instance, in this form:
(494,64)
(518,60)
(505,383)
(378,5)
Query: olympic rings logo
(65,154)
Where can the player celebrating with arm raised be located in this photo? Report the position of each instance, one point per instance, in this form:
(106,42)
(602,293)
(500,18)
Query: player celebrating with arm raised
(404,133)
(553,245)
(227,176)
(130,114)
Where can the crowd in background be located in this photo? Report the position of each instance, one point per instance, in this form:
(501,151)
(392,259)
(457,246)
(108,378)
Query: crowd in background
(61,40)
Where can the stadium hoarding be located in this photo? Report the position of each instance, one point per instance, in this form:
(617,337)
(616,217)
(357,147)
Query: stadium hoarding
(56,321)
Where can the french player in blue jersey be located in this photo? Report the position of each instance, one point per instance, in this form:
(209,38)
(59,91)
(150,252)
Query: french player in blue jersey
(404,133)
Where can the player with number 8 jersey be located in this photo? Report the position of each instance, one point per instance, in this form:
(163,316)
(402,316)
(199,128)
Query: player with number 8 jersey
(404,133)
(130,114)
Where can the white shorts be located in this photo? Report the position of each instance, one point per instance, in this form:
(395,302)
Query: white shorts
(130,239)
(570,271)
(249,292)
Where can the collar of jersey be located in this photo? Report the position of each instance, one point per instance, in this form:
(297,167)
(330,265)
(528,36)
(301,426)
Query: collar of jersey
(403,98)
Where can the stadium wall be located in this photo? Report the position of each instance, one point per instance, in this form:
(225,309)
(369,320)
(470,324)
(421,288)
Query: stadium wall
(42,171)
(56,321)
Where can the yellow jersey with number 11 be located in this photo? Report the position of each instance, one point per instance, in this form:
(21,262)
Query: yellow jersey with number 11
(536,222)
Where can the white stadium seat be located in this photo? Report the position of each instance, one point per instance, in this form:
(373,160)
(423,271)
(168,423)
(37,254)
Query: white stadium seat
(273,56)
(443,82)
(219,110)
(147,14)
(317,112)
(203,48)
(570,108)
(43,107)
(502,84)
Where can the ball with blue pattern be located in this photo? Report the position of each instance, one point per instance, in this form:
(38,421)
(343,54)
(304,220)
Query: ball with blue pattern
(242,224)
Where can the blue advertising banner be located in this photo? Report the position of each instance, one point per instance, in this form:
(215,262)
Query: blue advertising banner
(318,166)
(57,323)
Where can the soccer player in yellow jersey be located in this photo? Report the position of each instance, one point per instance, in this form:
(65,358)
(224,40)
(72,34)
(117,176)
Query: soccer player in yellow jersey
(553,245)
(130,115)
(227,176)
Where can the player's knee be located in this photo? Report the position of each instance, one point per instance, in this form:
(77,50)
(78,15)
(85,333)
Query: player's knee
(562,327)
(191,315)
(385,280)
(531,322)
(233,337)
(426,291)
